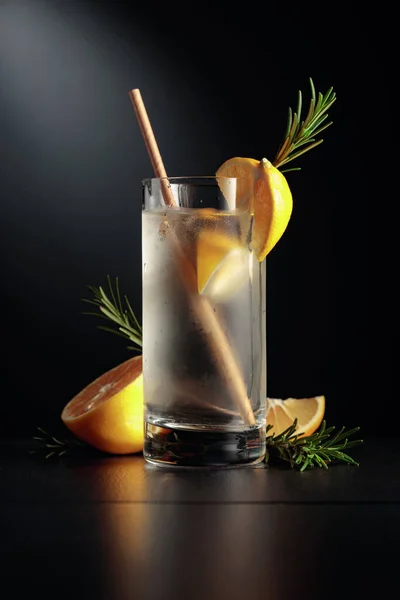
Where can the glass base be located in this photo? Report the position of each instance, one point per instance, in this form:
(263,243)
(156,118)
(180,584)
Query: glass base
(200,447)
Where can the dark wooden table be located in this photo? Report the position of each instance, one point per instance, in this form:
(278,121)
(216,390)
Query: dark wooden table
(114,528)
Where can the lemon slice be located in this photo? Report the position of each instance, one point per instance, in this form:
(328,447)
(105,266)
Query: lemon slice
(272,199)
(309,413)
(222,265)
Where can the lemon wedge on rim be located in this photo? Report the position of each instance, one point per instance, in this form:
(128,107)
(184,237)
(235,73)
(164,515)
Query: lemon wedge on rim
(272,199)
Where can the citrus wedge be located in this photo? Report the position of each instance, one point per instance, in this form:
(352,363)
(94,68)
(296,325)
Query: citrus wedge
(309,413)
(272,203)
(222,265)
(108,413)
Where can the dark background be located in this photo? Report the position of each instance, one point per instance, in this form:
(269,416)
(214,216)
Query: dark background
(217,81)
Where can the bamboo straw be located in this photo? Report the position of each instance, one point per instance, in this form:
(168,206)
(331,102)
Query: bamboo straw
(217,339)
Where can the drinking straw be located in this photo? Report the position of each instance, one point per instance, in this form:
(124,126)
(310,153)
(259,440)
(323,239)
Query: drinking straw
(218,341)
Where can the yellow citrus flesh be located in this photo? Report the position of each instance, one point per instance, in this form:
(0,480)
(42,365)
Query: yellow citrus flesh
(272,203)
(108,413)
(243,169)
(309,413)
(222,264)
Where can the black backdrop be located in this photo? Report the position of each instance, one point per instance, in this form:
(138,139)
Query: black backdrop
(217,81)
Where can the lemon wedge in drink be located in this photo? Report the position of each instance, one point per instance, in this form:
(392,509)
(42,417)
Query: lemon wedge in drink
(222,265)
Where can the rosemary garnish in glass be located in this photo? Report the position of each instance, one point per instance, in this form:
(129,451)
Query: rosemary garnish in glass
(300,135)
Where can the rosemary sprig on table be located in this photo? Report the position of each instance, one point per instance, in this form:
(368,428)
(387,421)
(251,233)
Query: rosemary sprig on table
(316,450)
(125,323)
(55,447)
(320,449)
(300,135)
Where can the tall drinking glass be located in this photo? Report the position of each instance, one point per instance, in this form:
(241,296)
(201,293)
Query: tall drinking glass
(204,325)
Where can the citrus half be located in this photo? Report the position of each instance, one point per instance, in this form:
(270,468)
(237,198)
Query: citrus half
(272,200)
(108,413)
(309,413)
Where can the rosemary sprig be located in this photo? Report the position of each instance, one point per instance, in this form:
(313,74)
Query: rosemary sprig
(300,135)
(55,447)
(319,449)
(112,309)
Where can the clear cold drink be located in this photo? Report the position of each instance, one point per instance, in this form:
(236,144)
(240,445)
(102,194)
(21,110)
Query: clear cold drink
(193,256)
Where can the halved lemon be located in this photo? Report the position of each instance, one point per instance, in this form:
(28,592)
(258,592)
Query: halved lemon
(108,413)
(272,199)
(222,265)
(309,413)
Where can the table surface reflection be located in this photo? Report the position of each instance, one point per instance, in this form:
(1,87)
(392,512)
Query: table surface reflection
(116,528)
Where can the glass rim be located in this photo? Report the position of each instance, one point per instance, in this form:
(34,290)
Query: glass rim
(188,178)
